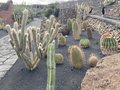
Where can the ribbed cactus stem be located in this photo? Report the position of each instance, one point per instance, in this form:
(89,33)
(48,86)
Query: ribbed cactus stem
(16,39)
(23,24)
(54,32)
(51,67)
(48,25)
(76,30)
(9,31)
(34,34)
(24,19)
(52,21)
(15,26)
(46,38)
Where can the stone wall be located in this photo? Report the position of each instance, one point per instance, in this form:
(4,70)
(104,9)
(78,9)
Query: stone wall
(6,15)
(66,14)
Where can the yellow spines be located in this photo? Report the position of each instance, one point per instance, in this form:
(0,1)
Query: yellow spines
(92,60)
(76,57)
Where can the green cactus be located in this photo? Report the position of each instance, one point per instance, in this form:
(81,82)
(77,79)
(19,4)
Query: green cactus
(29,44)
(108,44)
(61,40)
(59,59)
(51,67)
(92,60)
(69,24)
(76,57)
(84,43)
(76,31)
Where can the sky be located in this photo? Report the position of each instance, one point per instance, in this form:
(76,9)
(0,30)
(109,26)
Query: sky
(33,1)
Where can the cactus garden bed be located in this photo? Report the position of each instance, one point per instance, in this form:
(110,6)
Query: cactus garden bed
(67,78)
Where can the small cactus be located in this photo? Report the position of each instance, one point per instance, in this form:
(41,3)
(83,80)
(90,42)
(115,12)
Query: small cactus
(61,40)
(59,59)
(84,43)
(89,32)
(51,67)
(92,60)
(76,31)
(76,57)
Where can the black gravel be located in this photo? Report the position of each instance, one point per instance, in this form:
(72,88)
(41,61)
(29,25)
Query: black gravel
(67,78)
(3,33)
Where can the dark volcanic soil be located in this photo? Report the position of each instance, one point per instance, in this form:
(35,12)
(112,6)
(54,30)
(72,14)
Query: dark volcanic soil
(3,33)
(67,78)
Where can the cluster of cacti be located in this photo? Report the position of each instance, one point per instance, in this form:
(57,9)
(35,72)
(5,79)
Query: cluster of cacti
(84,43)
(92,60)
(69,24)
(59,59)
(82,11)
(61,40)
(108,44)
(76,57)
(87,27)
(76,30)
(29,44)
(51,67)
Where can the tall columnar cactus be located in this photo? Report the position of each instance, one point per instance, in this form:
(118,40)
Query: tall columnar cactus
(108,45)
(76,57)
(76,31)
(69,24)
(29,44)
(61,40)
(51,67)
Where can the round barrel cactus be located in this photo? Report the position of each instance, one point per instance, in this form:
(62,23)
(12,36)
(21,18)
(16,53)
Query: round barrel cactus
(108,45)
(84,43)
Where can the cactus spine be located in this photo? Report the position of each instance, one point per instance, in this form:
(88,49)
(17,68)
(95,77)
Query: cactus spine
(51,67)
(76,32)
(76,57)
(29,44)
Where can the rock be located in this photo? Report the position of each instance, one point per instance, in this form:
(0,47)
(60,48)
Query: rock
(64,30)
(105,76)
